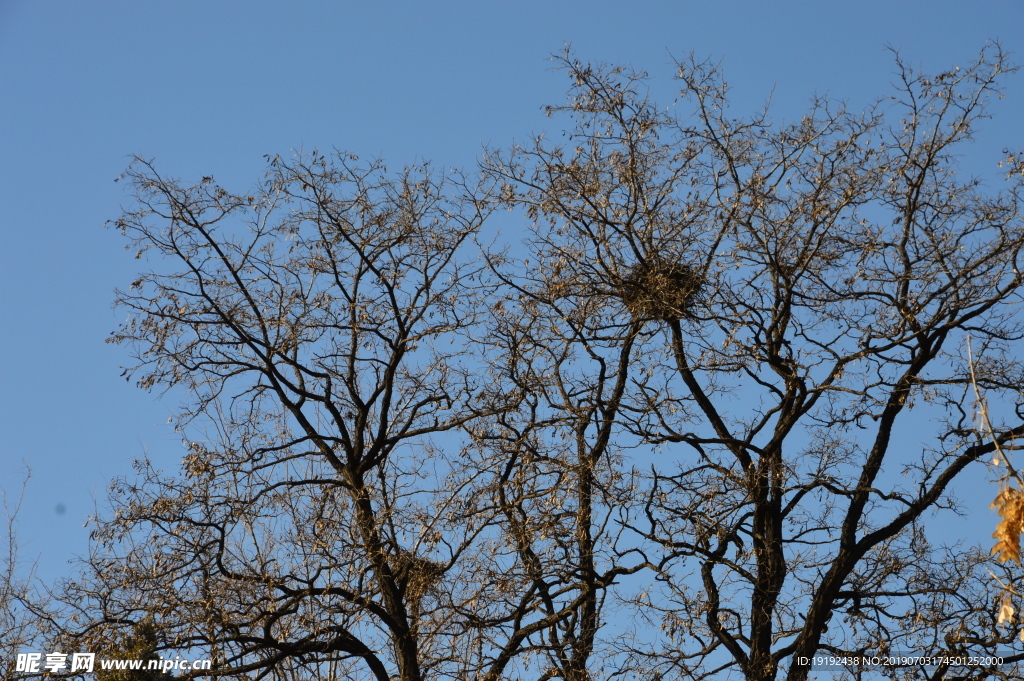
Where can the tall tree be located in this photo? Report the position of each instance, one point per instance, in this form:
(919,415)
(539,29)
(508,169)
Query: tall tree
(700,430)
(321,325)
(785,294)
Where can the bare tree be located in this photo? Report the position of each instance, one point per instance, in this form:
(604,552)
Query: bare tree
(322,325)
(702,430)
(783,295)
(23,613)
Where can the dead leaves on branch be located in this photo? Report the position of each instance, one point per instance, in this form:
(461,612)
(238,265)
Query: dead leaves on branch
(1009,504)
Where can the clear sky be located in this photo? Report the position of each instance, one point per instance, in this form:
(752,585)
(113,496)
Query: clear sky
(208,88)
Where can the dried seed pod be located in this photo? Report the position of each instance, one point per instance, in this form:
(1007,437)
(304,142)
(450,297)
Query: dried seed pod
(1010,506)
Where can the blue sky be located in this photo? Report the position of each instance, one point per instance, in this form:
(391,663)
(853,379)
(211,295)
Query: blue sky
(208,88)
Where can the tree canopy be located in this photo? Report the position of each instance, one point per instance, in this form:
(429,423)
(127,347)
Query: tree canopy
(663,433)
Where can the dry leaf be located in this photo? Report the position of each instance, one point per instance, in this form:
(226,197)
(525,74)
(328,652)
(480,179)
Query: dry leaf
(1005,610)
(1009,503)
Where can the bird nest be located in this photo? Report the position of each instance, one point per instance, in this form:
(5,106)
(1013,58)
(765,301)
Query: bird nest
(416,573)
(658,289)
